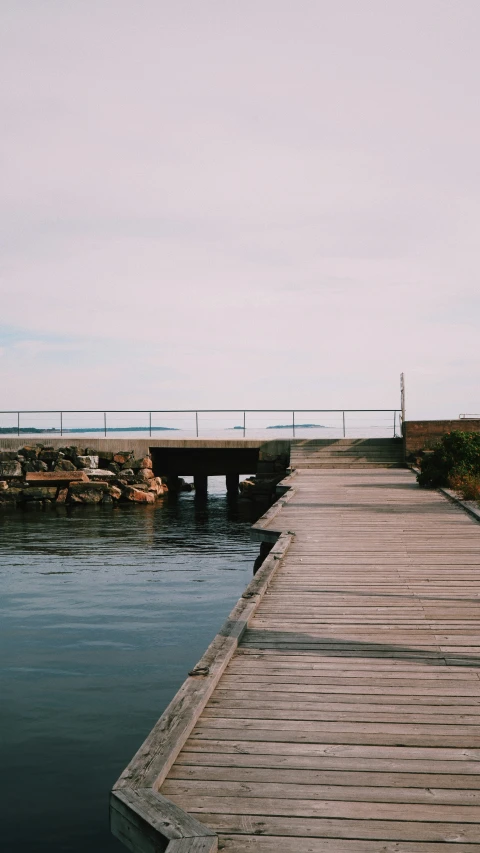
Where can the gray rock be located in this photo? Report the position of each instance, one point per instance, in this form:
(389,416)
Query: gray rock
(87,493)
(64,465)
(87,461)
(39,493)
(10,469)
(30,452)
(99,473)
(49,455)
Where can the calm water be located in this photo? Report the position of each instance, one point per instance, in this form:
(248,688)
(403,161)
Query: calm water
(102,614)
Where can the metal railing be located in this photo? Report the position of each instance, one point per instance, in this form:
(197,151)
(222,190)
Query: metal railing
(391,416)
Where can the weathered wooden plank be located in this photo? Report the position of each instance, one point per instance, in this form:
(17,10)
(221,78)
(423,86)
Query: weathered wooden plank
(271,711)
(295,736)
(190,766)
(273,790)
(374,830)
(342,750)
(283,844)
(194,845)
(346,809)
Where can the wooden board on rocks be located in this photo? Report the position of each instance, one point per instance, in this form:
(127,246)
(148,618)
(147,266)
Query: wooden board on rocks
(56,478)
(348,720)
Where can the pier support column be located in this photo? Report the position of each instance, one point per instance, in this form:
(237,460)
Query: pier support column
(201,484)
(173,481)
(232,481)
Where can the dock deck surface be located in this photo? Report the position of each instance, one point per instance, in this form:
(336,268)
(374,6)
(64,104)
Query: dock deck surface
(348,719)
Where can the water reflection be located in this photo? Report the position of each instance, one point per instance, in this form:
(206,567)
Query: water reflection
(103,611)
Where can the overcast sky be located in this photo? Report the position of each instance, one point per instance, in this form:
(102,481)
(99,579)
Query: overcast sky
(259,203)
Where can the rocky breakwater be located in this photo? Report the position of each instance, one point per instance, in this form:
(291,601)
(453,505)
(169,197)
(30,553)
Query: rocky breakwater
(38,476)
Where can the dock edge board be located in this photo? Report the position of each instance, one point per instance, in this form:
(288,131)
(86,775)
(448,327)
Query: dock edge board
(140,817)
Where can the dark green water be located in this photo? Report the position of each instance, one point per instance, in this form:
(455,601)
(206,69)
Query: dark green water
(102,614)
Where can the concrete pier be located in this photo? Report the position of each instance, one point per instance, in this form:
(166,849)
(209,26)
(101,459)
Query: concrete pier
(200,482)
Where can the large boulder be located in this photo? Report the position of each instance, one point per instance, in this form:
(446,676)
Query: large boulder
(10,469)
(115,492)
(105,457)
(122,457)
(145,474)
(87,493)
(49,455)
(64,465)
(30,451)
(146,462)
(99,473)
(137,495)
(40,493)
(8,455)
(87,461)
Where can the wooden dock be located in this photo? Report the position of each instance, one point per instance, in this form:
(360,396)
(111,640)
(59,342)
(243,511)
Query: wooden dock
(339,709)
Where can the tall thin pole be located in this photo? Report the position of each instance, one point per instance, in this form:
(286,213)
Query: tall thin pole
(105,423)
(196,422)
(18,423)
(150,423)
(61,423)
(394,424)
(244,424)
(293,423)
(402,396)
(343,415)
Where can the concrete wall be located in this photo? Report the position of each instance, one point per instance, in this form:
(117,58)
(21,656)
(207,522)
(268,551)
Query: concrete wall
(424,435)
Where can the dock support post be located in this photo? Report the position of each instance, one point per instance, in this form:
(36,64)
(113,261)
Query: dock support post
(173,481)
(201,484)
(232,481)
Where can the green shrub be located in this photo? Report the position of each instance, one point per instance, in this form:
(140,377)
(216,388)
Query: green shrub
(457,455)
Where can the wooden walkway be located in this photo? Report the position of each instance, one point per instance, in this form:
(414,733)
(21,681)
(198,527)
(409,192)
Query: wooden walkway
(348,721)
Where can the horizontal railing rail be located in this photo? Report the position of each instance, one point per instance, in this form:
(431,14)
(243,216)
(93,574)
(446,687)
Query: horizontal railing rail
(390,424)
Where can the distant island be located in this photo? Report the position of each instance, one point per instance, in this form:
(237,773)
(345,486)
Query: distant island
(30,430)
(297,426)
(288,426)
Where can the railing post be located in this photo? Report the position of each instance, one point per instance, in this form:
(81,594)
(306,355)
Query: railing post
(61,423)
(293,423)
(343,415)
(244,424)
(18,423)
(196,422)
(394,424)
(105,423)
(150,423)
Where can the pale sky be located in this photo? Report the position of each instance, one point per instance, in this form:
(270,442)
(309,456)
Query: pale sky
(211,203)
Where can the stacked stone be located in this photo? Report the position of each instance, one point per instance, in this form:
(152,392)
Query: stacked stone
(39,475)
(271,469)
